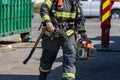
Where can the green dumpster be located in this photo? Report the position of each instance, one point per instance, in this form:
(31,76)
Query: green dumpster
(15,17)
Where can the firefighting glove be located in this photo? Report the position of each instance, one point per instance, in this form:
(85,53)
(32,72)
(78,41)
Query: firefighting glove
(62,34)
(84,36)
(53,30)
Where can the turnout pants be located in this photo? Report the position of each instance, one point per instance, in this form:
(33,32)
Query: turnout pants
(49,53)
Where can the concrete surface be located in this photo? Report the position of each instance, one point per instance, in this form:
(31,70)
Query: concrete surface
(105,65)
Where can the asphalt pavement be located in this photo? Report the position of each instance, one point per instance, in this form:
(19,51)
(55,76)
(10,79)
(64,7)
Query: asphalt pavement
(104,66)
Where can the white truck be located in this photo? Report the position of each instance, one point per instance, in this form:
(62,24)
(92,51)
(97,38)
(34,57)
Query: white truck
(91,8)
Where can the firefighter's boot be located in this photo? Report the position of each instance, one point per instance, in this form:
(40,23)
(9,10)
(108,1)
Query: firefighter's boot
(43,76)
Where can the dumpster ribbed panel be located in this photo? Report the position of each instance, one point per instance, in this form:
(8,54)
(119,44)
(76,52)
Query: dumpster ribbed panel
(15,16)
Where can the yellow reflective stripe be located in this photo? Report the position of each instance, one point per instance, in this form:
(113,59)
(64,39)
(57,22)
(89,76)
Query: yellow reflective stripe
(65,14)
(48,3)
(69,32)
(106,16)
(68,75)
(78,9)
(82,28)
(43,70)
(48,34)
(106,3)
(45,17)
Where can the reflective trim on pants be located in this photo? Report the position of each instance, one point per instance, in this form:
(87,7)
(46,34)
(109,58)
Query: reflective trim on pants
(68,75)
(43,70)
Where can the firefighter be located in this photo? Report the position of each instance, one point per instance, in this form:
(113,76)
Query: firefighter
(67,16)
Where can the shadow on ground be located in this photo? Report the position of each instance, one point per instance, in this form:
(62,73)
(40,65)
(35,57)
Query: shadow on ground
(18,77)
(105,65)
(113,42)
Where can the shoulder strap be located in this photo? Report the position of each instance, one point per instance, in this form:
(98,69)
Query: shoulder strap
(54,6)
(77,3)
